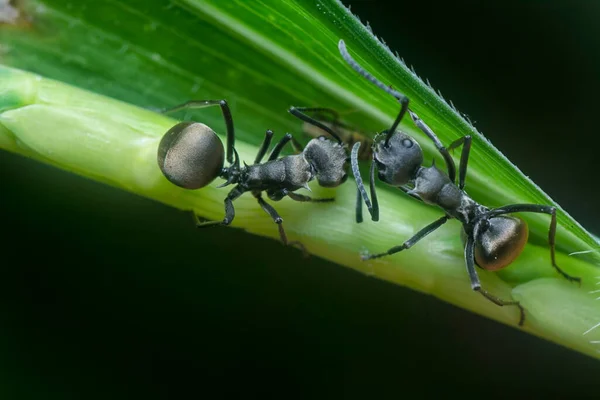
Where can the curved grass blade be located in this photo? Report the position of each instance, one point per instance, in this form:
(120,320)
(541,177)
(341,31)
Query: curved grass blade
(264,57)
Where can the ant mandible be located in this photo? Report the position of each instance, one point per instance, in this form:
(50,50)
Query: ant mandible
(190,155)
(492,239)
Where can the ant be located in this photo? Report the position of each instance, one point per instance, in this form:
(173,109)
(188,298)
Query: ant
(492,238)
(191,156)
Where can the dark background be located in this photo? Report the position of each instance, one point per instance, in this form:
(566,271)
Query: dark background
(81,319)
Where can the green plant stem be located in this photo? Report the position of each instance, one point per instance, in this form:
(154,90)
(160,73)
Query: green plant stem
(116,143)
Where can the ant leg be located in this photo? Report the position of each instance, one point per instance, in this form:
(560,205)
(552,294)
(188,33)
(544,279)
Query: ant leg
(319,115)
(229,210)
(375,214)
(334,120)
(373,208)
(319,111)
(410,242)
(303,198)
(537,208)
(399,96)
(279,221)
(465,141)
(438,144)
(359,210)
(264,146)
(298,112)
(352,135)
(334,117)
(297,146)
(476,284)
(226,116)
(279,146)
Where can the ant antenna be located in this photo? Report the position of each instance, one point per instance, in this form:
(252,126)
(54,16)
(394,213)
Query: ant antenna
(399,96)
(297,112)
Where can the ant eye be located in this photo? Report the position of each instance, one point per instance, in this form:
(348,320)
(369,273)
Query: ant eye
(407,143)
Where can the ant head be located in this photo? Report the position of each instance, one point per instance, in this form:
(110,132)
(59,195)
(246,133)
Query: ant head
(329,159)
(399,161)
(190,155)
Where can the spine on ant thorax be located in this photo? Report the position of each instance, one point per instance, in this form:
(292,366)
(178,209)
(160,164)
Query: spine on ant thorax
(291,173)
(435,187)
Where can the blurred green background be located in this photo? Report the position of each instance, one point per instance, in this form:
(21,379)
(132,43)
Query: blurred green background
(105,294)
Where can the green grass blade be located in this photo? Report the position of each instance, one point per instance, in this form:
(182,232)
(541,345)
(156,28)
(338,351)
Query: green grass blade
(264,57)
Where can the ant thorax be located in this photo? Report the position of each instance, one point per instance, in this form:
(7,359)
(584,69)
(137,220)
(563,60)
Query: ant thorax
(322,159)
(291,173)
(434,186)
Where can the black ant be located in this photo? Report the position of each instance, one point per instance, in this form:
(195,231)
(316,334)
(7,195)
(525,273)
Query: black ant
(191,156)
(492,239)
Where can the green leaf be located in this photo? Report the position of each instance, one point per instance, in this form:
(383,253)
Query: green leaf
(264,57)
